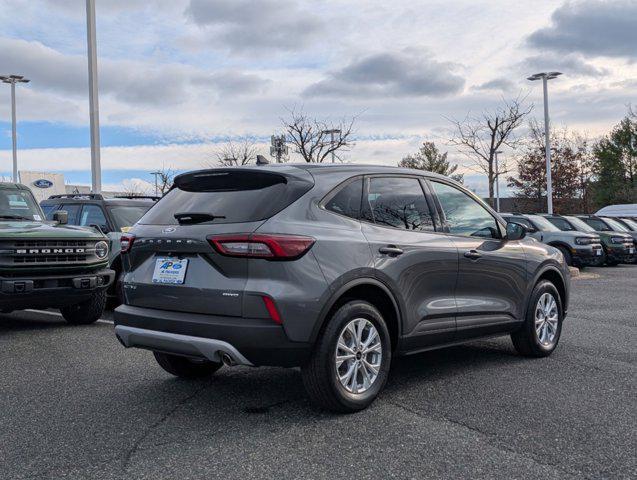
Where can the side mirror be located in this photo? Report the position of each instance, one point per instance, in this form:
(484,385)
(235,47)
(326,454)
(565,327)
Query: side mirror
(515,231)
(61,216)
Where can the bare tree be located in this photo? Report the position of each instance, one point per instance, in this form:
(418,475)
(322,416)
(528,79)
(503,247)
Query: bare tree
(312,140)
(232,154)
(132,188)
(479,137)
(165,177)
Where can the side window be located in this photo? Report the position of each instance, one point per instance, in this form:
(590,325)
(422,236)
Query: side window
(93,215)
(398,202)
(73,211)
(348,200)
(464,215)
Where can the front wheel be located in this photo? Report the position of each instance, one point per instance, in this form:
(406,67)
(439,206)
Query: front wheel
(542,328)
(351,359)
(87,311)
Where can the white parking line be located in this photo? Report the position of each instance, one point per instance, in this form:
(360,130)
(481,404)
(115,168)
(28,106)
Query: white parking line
(58,314)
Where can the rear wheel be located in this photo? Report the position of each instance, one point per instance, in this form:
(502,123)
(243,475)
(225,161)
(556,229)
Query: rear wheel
(542,328)
(186,367)
(85,312)
(350,362)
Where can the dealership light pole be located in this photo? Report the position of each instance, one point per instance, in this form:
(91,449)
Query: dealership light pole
(156,186)
(497,182)
(94,111)
(545,77)
(332,132)
(12,80)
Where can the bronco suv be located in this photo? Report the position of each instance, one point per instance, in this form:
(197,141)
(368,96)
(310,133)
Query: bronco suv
(49,264)
(333,268)
(579,249)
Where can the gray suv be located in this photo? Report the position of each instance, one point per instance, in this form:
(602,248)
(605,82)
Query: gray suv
(580,249)
(333,268)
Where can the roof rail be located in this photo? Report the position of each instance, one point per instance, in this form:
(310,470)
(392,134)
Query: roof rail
(142,197)
(80,196)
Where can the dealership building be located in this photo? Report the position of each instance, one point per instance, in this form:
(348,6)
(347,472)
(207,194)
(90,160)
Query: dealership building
(45,184)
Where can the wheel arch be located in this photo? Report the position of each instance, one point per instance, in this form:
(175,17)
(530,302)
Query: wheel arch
(370,290)
(553,275)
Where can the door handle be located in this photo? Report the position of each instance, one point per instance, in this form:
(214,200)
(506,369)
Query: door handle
(472,254)
(391,250)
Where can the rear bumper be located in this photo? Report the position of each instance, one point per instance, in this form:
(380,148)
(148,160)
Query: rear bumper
(248,341)
(53,291)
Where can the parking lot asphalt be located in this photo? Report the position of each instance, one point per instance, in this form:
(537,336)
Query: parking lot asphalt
(75,404)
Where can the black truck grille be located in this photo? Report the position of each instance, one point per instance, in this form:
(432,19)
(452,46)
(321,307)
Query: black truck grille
(46,252)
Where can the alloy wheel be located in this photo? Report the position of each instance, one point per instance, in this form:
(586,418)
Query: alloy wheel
(358,355)
(546,320)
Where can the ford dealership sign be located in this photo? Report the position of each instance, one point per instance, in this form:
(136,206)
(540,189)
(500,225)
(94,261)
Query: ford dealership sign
(43,183)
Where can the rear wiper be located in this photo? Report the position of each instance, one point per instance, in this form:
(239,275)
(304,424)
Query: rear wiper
(15,217)
(189,218)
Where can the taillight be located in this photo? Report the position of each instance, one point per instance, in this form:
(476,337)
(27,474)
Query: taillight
(272,310)
(273,247)
(126,242)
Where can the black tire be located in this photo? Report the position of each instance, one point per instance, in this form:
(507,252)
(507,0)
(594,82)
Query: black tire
(567,255)
(184,367)
(116,292)
(86,312)
(525,340)
(320,373)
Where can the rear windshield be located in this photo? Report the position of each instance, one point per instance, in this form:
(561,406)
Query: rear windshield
(228,196)
(126,215)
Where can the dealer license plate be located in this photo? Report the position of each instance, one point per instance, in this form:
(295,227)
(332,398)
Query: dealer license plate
(170,270)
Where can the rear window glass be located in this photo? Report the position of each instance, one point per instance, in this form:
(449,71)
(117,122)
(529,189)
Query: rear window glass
(227,196)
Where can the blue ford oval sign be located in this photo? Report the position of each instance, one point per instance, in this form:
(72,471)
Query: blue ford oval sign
(43,183)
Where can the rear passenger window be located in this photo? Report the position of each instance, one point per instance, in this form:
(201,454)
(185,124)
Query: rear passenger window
(347,200)
(398,202)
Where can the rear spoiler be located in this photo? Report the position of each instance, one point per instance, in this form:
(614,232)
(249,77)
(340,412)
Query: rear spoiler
(227,180)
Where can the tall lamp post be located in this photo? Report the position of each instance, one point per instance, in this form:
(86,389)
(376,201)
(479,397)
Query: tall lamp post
(545,77)
(94,111)
(156,185)
(12,80)
(332,132)
(497,182)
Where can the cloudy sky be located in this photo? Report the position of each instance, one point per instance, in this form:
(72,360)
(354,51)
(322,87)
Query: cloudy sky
(177,77)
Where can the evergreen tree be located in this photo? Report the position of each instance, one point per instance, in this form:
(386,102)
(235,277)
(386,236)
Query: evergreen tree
(430,159)
(615,164)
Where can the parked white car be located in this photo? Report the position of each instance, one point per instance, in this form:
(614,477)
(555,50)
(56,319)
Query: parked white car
(626,210)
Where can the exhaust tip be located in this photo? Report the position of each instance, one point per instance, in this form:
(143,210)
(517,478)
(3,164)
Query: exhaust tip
(227,359)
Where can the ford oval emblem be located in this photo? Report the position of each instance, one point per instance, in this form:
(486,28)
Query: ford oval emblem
(43,183)
(169,230)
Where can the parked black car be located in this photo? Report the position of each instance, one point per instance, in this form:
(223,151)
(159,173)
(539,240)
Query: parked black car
(112,216)
(335,269)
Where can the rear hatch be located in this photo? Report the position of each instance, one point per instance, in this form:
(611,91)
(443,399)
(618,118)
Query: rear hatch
(171,243)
